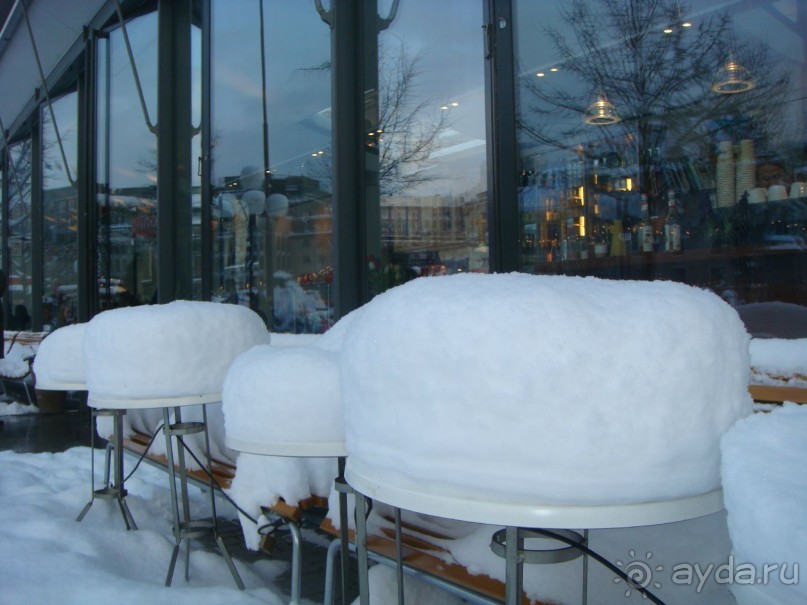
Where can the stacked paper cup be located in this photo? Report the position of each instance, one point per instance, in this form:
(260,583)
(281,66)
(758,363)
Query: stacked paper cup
(725,174)
(745,169)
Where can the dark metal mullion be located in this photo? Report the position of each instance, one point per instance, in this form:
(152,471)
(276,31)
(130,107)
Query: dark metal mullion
(6,259)
(37,220)
(350,283)
(206,242)
(174,211)
(500,92)
(86,204)
(107,134)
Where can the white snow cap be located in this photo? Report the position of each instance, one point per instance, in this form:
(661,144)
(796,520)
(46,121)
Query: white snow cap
(59,362)
(779,361)
(764,485)
(545,389)
(286,396)
(179,349)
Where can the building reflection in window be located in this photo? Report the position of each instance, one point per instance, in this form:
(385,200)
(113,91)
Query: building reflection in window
(127,167)
(59,203)
(271,219)
(19,235)
(425,142)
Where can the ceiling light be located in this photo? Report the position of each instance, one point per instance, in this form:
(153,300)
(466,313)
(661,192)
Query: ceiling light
(732,78)
(601,112)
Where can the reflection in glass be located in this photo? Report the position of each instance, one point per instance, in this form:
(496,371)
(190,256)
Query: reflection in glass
(271,223)
(127,168)
(721,164)
(19,235)
(59,204)
(425,142)
(196,154)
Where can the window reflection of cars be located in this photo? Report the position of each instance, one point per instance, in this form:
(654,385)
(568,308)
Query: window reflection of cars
(774,241)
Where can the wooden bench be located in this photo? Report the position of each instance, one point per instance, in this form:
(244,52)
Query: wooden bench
(429,560)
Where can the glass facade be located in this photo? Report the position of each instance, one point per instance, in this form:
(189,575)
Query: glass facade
(665,140)
(650,140)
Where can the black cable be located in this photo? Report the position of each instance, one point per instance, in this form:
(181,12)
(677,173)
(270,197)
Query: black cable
(218,485)
(264,529)
(143,455)
(600,559)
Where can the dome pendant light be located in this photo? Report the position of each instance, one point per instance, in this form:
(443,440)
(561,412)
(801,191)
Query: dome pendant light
(732,78)
(601,112)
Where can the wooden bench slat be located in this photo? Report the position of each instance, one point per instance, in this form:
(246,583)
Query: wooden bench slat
(430,559)
(777,394)
(223,473)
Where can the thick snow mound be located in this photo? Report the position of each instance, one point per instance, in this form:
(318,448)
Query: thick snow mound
(764,484)
(284,396)
(59,360)
(545,389)
(179,349)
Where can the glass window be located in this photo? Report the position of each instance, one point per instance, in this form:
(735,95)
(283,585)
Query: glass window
(59,203)
(127,167)
(425,142)
(19,235)
(665,140)
(271,161)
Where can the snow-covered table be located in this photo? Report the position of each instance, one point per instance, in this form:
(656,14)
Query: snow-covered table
(170,357)
(59,366)
(522,401)
(285,401)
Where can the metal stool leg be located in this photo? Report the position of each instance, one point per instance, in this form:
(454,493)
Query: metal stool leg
(361,546)
(344,533)
(296,562)
(509,544)
(333,548)
(184,527)
(399,572)
(115,489)
(514,571)
(222,547)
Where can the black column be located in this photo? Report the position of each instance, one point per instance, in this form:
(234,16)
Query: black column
(348,190)
(174,212)
(503,225)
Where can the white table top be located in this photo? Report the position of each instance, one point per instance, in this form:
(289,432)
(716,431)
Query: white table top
(109,402)
(301,449)
(478,508)
(58,385)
